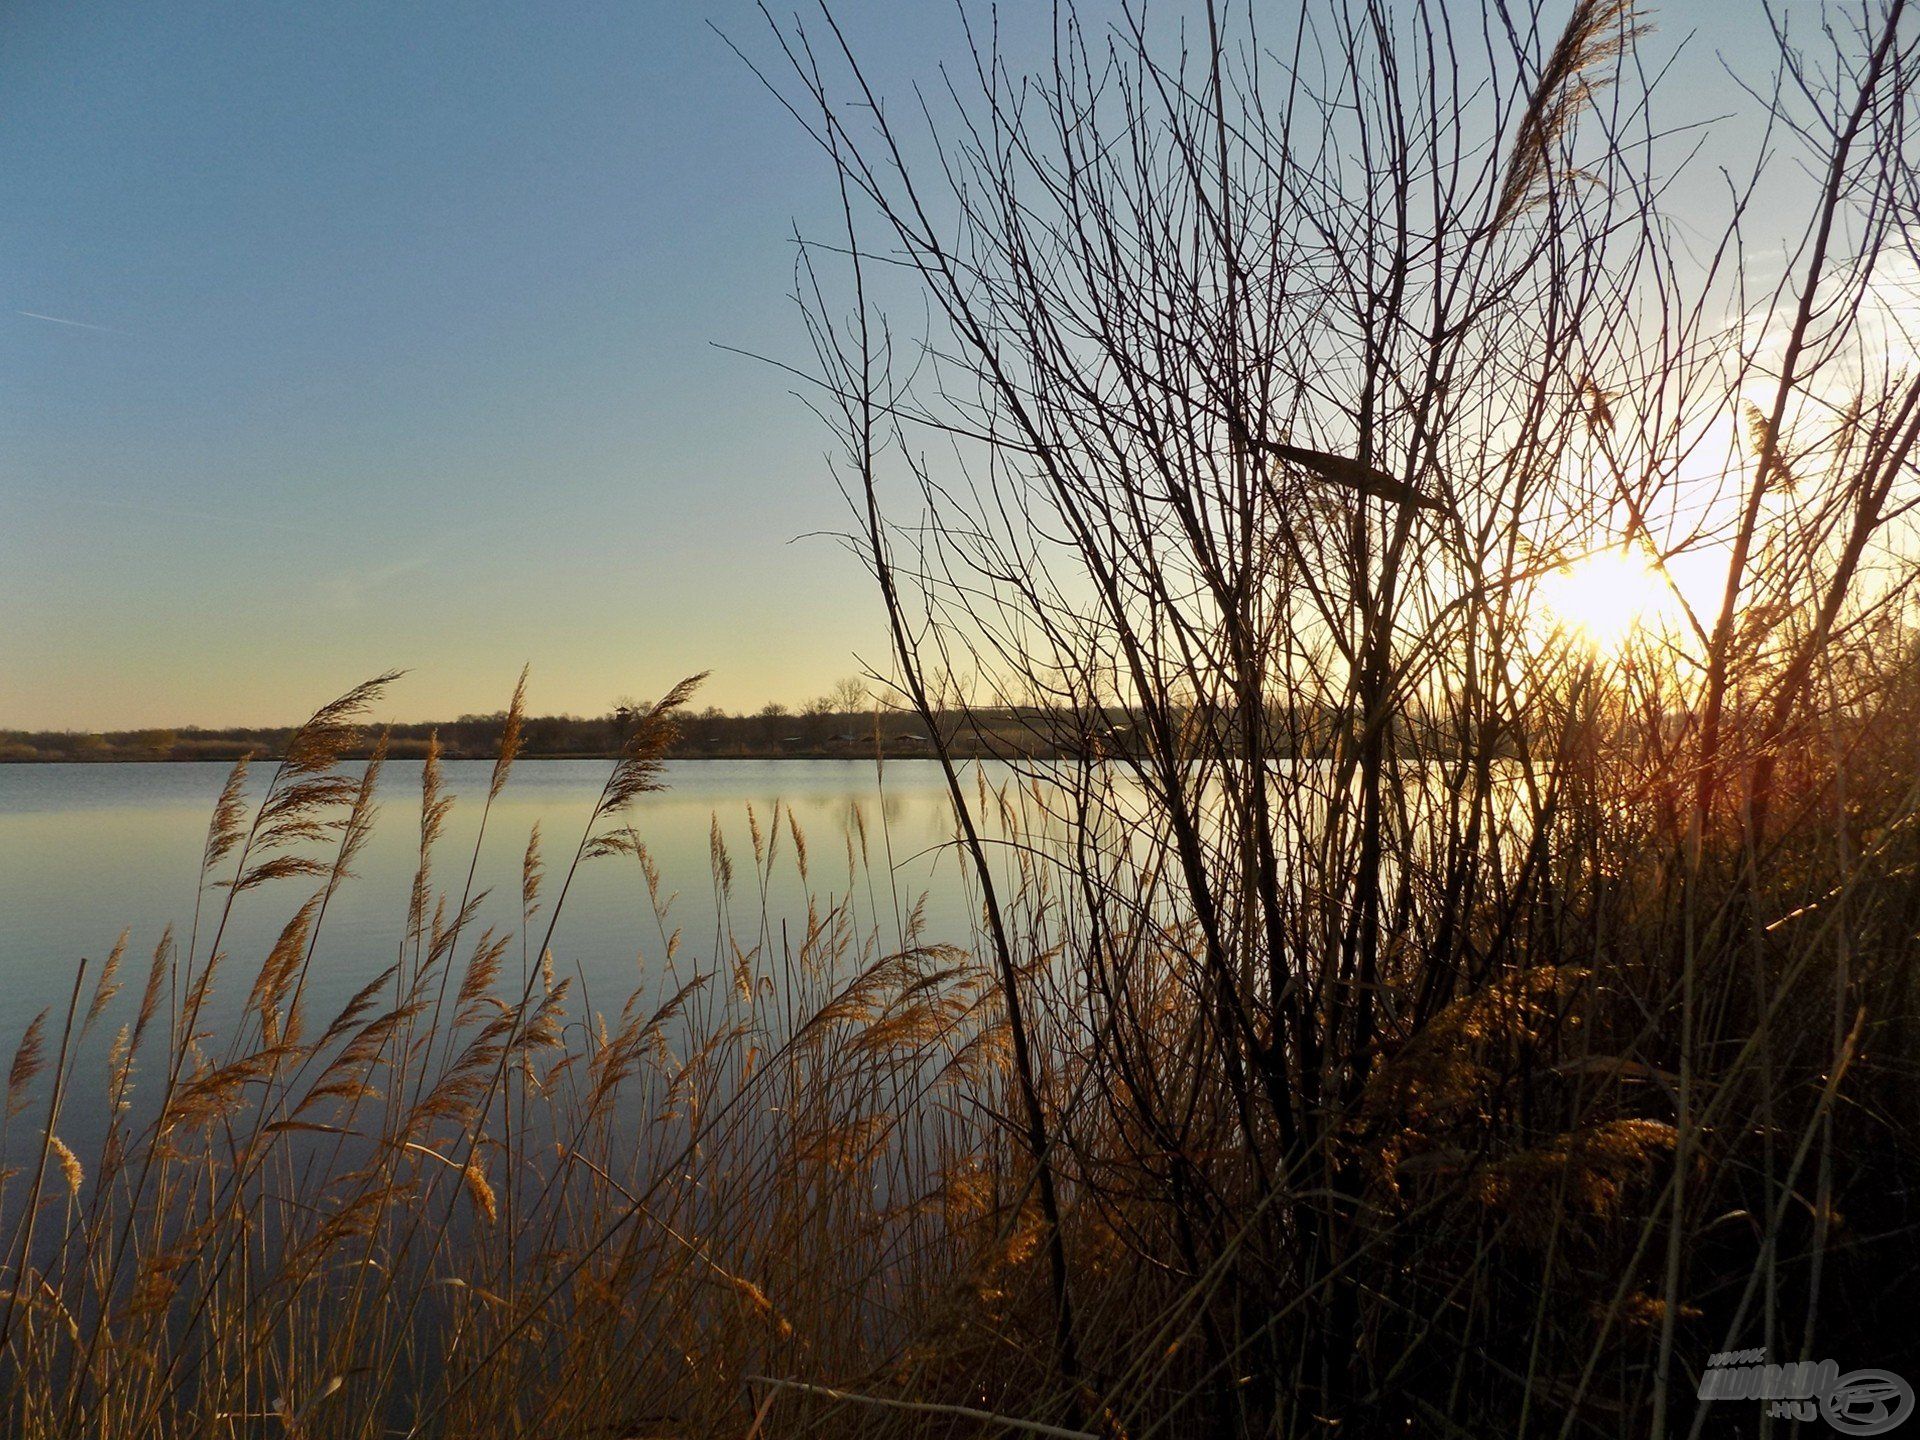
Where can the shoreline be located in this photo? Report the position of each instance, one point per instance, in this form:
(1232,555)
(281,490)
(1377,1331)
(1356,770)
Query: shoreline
(523,758)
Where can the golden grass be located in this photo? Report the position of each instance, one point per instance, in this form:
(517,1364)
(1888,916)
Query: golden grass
(774,1192)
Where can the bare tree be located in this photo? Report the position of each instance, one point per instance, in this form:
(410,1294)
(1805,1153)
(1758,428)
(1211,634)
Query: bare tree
(849,696)
(1270,374)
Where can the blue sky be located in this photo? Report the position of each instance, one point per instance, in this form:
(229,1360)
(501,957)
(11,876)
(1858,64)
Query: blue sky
(399,351)
(351,336)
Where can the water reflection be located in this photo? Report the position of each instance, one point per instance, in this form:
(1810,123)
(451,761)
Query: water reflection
(89,850)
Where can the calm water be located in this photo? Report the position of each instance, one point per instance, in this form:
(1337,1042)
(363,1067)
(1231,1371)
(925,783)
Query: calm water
(89,850)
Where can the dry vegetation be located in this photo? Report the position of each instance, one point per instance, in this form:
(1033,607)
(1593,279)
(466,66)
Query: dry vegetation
(1550,1031)
(458,1202)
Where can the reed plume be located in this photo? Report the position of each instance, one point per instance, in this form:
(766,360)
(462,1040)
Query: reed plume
(1597,34)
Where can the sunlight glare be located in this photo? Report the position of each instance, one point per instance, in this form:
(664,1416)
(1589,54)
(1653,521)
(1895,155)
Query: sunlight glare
(1606,597)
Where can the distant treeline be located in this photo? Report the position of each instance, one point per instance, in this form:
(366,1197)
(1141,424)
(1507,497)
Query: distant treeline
(713,733)
(770,733)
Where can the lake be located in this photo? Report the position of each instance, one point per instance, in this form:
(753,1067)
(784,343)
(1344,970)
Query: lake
(89,850)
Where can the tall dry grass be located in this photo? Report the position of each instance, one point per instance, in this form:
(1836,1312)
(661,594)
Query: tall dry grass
(785,1188)
(463,1202)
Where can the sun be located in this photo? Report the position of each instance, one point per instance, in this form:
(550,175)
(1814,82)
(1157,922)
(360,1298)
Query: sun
(1606,597)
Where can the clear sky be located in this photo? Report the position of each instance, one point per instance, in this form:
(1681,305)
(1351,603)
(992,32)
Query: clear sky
(348,336)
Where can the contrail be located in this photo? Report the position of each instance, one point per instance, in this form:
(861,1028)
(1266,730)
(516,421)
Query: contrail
(77,324)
